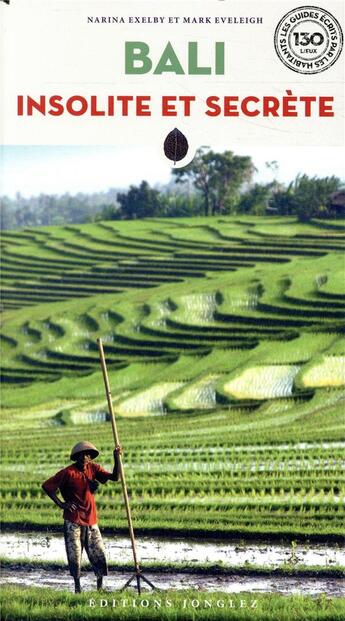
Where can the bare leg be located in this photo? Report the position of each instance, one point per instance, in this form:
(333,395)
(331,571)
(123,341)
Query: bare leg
(77,587)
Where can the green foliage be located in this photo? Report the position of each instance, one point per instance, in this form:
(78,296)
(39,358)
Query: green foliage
(108,212)
(311,196)
(140,202)
(255,200)
(307,197)
(218,177)
(282,201)
(181,204)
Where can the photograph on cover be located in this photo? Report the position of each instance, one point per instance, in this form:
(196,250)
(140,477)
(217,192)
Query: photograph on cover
(216,290)
(172,299)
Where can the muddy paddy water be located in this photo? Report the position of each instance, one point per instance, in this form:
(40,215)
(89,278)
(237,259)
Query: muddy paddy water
(286,585)
(42,547)
(45,547)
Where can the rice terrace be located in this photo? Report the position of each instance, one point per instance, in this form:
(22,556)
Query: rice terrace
(224,345)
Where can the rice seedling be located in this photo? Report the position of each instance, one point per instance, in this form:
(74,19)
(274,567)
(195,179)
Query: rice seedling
(266,382)
(197,395)
(329,371)
(197,308)
(150,401)
(225,355)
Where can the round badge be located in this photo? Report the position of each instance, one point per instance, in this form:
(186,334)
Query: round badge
(308,40)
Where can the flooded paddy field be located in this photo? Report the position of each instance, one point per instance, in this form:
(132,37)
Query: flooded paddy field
(43,547)
(59,579)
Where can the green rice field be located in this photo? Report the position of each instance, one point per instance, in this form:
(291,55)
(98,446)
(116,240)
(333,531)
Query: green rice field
(224,344)
(225,351)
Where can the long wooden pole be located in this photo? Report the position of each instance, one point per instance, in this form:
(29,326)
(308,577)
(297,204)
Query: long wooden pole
(122,473)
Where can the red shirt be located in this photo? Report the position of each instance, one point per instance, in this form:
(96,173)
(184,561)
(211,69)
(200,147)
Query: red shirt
(74,487)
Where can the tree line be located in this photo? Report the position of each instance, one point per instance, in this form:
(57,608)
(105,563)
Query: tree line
(212,184)
(222,183)
(48,209)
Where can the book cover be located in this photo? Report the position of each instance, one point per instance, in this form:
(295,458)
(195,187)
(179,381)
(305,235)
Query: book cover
(172,369)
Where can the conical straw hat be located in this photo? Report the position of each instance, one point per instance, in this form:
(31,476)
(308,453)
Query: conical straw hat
(84,446)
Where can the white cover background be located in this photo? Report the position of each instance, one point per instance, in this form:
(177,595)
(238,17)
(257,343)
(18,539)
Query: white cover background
(49,48)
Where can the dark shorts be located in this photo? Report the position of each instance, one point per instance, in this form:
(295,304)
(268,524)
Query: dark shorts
(77,538)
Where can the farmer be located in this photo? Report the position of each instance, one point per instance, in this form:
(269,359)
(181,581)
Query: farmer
(77,484)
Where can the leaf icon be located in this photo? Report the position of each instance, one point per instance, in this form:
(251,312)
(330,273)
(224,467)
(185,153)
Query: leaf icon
(176,145)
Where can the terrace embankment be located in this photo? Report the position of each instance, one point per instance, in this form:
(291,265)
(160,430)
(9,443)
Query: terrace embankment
(224,344)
